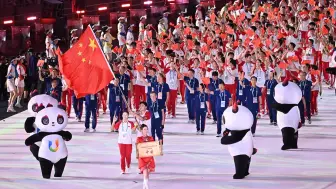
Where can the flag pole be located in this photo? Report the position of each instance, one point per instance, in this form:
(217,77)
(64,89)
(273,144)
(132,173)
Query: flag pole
(106,61)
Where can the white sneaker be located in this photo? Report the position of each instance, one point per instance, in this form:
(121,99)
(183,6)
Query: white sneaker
(18,105)
(128,170)
(202,133)
(87,130)
(214,122)
(93,130)
(218,135)
(10,109)
(193,121)
(122,172)
(198,132)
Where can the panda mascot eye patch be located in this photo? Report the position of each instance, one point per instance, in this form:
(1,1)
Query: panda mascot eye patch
(45,120)
(34,107)
(49,105)
(60,119)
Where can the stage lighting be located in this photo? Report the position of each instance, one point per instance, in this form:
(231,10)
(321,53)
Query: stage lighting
(31,18)
(148,2)
(8,22)
(102,8)
(125,5)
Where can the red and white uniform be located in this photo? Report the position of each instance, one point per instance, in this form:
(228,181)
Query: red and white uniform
(198,17)
(146,121)
(125,142)
(309,54)
(173,83)
(139,92)
(19,81)
(229,79)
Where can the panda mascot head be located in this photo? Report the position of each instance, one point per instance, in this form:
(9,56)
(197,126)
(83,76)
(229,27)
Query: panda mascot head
(35,104)
(52,152)
(237,118)
(287,92)
(52,119)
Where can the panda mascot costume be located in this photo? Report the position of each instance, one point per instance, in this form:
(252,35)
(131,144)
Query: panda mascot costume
(238,121)
(287,96)
(35,104)
(53,151)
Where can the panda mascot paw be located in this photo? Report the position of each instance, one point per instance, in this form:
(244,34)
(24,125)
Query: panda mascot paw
(238,121)
(36,103)
(287,96)
(53,152)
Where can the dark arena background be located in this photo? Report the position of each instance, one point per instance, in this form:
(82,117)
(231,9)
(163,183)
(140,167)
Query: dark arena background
(23,23)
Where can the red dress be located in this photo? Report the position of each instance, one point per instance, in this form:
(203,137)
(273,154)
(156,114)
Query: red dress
(146,161)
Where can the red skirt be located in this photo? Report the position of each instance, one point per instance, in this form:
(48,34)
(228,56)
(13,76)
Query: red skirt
(147,162)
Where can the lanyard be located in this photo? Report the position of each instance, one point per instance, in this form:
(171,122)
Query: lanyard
(122,127)
(115,91)
(202,95)
(159,88)
(304,86)
(193,83)
(222,95)
(122,79)
(214,83)
(172,75)
(269,84)
(239,86)
(157,106)
(248,67)
(254,89)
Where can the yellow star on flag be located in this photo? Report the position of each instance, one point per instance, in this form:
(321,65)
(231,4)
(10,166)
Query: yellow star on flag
(80,45)
(79,53)
(83,59)
(92,44)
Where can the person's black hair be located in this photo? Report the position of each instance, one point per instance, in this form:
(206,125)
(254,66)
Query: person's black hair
(215,73)
(311,40)
(150,68)
(254,78)
(221,82)
(202,85)
(155,43)
(197,43)
(143,126)
(191,70)
(153,92)
(233,61)
(254,28)
(293,44)
(144,103)
(314,67)
(247,55)
(189,37)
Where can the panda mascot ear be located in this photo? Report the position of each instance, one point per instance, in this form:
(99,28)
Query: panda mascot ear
(33,93)
(285,82)
(235,108)
(40,107)
(29,125)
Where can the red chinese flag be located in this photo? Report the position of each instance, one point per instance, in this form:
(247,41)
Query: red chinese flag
(84,66)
